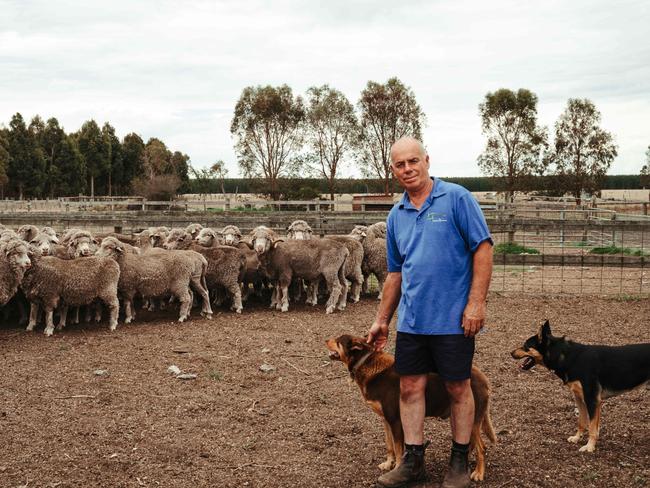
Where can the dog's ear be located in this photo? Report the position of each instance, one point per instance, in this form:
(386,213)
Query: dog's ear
(544,335)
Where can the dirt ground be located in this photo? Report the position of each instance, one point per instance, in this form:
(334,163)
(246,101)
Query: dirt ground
(301,424)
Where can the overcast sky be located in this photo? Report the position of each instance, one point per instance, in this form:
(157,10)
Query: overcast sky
(175,69)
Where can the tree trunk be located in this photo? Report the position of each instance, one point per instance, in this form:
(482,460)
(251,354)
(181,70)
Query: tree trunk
(109,184)
(92,187)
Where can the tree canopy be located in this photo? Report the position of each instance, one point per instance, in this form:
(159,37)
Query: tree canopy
(386,112)
(515,145)
(268,128)
(583,151)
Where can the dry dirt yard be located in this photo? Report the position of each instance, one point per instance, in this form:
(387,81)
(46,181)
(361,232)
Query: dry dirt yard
(301,424)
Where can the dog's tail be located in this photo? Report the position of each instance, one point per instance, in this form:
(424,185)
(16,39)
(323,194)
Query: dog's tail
(486,425)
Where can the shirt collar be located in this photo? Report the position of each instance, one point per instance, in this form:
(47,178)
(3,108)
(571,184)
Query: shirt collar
(438,190)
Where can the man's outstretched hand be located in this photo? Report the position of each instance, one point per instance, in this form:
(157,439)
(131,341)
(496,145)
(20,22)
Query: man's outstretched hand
(378,335)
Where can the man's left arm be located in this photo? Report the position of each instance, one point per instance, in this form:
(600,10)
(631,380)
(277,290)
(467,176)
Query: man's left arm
(475,310)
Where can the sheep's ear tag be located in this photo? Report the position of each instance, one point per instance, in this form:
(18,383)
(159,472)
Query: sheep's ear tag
(363,234)
(119,249)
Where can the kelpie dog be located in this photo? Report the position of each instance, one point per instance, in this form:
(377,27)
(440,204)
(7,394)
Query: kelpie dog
(373,372)
(592,373)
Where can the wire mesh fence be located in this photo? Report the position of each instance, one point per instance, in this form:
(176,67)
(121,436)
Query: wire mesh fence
(589,259)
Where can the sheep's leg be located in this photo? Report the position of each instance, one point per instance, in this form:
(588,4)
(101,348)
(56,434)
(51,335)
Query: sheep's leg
(87,313)
(380,280)
(235,291)
(184,297)
(366,284)
(129,313)
(312,292)
(334,286)
(206,310)
(355,289)
(63,314)
(98,312)
(33,316)
(75,318)
(275,299)
(145,303)
(343,297)
(22,320)
(283,295)
(113,305)
(49,320)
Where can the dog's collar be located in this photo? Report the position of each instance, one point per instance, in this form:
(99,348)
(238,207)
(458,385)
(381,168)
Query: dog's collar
(360,362)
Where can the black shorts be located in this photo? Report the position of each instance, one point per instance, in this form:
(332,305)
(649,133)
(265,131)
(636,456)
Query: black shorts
(448,355)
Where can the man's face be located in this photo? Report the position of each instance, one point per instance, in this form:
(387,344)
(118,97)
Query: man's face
(410,166)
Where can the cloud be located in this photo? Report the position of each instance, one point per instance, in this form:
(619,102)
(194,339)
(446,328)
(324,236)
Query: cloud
(174,70)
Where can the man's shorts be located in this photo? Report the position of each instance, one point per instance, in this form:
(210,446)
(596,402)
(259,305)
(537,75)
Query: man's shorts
(448,355)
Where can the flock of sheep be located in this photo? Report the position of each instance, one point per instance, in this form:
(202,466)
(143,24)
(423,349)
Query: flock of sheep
(57,273)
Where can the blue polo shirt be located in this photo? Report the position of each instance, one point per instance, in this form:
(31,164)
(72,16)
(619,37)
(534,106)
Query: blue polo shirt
(433,248)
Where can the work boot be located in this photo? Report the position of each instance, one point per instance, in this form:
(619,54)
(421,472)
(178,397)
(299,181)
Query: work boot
(457,475)
(410,471)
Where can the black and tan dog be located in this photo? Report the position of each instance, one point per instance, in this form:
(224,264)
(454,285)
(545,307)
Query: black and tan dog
(373,372)
(592,373)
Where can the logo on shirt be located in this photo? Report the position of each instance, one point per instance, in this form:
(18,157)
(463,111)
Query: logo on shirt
(436,217)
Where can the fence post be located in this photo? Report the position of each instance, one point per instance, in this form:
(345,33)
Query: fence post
(144,204)
(227,205)
(645,208)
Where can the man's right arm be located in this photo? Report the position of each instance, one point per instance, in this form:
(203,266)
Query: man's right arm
(390,295)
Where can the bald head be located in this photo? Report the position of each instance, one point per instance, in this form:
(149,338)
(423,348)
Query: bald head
(409,144)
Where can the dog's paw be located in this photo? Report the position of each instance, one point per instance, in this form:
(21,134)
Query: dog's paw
(477,476)
(386,465)
(574,439)
(589,447)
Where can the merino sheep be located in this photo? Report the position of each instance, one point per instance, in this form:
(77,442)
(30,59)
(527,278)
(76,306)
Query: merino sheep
(27,232)
(52,282)
(68,234)
(307,259)
(353,264)
(374,254)
(231,235)
(81,244)
(378,229)
(50,232)
(46,245)
(299,229)
(14,261)
(156,274)
(158,235)
(226,265)
(208,237)
(193,230)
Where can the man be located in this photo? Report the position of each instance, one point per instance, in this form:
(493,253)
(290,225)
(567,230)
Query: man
(440,264)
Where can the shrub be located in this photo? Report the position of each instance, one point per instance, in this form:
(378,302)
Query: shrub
(513,248)
(617,250)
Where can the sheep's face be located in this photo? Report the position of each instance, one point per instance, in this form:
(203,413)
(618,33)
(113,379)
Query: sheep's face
(110,248)
(42,244)
(299,230)
(231,236)
(17,256)
(206,237)
(359,232)
(157,239)
(82,245)
(262,241)
(193,230)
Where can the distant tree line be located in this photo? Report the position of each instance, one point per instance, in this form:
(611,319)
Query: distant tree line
(41,160)
(308,188)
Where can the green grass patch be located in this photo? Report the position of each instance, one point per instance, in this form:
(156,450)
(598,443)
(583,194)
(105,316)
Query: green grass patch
(513,248)
(215,375)
(628,251)
(582,244)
